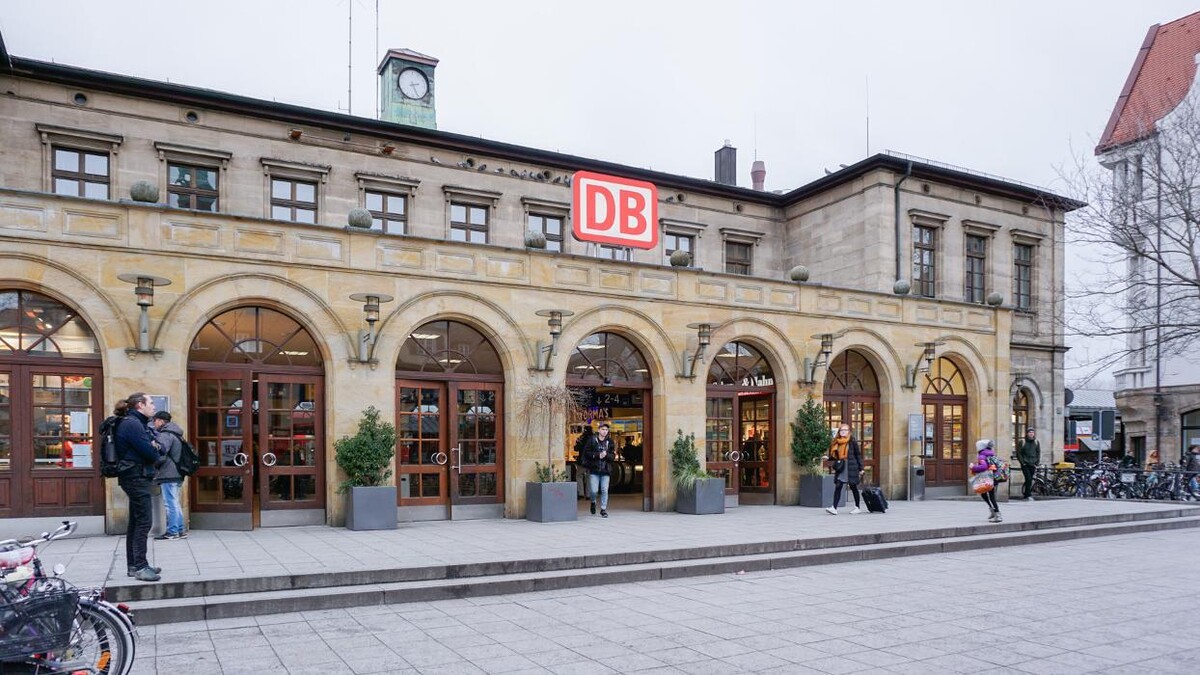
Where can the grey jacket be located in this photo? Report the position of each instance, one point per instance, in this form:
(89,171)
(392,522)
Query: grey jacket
(168,440)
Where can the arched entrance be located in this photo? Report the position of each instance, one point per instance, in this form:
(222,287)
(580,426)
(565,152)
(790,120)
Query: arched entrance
(50,405)
(944,403)
(1020,417)
(256,387)
(739,429)
(852,396)
(449,424)
(613,382)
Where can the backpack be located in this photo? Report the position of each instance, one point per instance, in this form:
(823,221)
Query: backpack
(110,461)
(189,461)
(999,469)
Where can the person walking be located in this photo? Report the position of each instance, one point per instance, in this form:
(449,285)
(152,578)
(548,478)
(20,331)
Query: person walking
(168,478)
(986,462)
(139,458)
(597,457)
(847,467)
(1029,455)
(1191,462)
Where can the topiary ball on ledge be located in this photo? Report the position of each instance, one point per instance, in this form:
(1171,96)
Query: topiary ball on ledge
(901,287)
(799,274)
(359,217)
(144,191)
(995,299)
(535,239)
(681,258)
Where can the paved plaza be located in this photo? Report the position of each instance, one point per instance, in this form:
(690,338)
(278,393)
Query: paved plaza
(1122,604)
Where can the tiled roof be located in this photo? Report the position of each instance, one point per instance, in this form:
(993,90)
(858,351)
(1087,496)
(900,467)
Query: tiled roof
(1161,76)
(1093,398)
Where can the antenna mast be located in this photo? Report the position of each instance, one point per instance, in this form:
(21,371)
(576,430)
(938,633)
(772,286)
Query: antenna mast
(350,57)
(868,106)
(376,55)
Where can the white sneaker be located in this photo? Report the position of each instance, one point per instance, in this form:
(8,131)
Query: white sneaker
(831,510)
(856,510)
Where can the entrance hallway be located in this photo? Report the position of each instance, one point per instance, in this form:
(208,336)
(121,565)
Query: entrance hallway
(220,555)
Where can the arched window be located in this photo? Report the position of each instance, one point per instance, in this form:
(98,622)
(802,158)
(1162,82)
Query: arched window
(852,397)
(1020,416)
(851,372)
(945,378)
(608,357)
(33,324)
(449,347)
(739,364)
(255,336)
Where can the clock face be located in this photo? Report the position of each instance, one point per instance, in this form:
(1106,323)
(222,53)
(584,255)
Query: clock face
(412,83)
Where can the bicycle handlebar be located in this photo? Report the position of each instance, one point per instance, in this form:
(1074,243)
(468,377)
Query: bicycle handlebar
(66,529)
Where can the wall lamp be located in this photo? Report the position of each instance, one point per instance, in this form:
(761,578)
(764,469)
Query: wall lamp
(822,357)
(924,363)
(704,333)
(554,318)
(144,291)
(366,338)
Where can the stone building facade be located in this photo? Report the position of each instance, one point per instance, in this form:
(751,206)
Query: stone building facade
(255,315)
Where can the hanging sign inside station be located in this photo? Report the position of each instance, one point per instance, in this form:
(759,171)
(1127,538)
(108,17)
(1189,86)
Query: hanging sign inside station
(615,211)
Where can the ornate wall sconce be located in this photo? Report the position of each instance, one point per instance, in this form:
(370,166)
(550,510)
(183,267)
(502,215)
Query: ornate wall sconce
(704,333)
(144,291)
(924,363)
(821,359)
(555,321)
(366,338)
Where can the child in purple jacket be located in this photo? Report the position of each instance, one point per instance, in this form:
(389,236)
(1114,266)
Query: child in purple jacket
(985,462)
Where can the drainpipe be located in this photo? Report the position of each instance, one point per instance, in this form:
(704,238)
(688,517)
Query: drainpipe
(896,209)
(1158,301)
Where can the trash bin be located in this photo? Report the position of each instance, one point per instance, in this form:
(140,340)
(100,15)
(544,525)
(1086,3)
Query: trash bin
(916,479)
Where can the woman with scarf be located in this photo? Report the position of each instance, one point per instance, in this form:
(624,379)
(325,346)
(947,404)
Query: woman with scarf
(847,467)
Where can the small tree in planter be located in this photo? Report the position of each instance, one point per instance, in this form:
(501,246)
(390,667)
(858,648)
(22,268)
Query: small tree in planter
(366,459)
(696,492)
(551,496)
(810,443)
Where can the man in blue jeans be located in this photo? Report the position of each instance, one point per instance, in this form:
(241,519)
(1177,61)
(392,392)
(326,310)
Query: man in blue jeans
(168,478)
(597,457)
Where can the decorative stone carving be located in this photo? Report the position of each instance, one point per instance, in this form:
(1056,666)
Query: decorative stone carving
(535,239)
(359,217)
(901,287)
(799,273)
(681,258)
(995,299)
(144,191)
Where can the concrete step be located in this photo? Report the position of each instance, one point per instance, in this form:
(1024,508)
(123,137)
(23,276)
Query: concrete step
(193,608)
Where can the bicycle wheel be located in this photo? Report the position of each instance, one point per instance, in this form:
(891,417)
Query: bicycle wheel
(100,643)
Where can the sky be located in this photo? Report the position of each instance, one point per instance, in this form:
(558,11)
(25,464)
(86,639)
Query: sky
(1015,88)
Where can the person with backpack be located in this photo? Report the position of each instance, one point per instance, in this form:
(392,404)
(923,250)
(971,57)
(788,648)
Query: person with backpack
(987,462)
(169,478)
(1029,454)
(139,459)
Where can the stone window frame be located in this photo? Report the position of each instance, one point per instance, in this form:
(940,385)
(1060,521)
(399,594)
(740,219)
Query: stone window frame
(80,140)
(987,231)
(937,223)
(317,174)
(466,196)
(682,228)
(389,186)
(171,153)
(1034,241)
(544,209)
(733,235)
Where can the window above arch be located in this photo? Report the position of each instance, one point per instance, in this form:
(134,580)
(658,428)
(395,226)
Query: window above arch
(850,371)
(255,335)
(449,347)
(32,324)
(739,364)
(608,357)
(945,378)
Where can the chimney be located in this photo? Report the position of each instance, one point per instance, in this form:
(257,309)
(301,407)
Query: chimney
(726,161)
(758,173)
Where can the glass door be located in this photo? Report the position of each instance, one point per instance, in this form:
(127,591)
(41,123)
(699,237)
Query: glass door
(421,457)
(224,416)
(756,470)
(476,443)
(721,457)
(289,442)
(944,445)
(860,413)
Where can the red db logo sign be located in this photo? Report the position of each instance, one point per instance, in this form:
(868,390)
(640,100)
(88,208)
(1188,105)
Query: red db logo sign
(612,210)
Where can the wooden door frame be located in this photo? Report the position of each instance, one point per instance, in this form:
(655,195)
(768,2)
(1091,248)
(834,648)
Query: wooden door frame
(318,471)
(648,445)
(845,398)
(939,401)
(246,506)
(452,441)
(443,388)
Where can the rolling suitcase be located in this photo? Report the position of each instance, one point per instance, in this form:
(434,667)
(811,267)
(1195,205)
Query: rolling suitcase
(876,502)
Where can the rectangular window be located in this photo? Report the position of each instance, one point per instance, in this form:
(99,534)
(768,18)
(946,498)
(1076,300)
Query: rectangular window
(923,273)
(293,200)
(738,257)
(976,269)
(192,187)
(389,211)
(678,242)
(551,226)
(80,173)
(468,223)
(1023,276)
(614,252)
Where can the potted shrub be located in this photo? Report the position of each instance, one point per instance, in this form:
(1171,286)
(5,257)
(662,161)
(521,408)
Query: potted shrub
(550,497)
(366,458)
(696,492)
(810,443)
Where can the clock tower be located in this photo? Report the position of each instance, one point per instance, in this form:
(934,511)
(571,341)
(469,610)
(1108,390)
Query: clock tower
(406,88)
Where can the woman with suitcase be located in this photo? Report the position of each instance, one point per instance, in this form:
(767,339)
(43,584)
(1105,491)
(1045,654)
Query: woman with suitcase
(847,467)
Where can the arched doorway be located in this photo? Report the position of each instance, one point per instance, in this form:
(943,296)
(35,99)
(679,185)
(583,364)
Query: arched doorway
(613,383)
(944,403)
(739,429)
(256,386)
(852,396)
(50,404)
(449,424)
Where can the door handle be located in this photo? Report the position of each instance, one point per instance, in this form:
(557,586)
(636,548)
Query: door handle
(439,458)
(269,459)
(239,459)
(457,450)
(734,456)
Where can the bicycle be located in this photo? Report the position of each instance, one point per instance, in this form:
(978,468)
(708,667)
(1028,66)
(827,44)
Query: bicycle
(48,625)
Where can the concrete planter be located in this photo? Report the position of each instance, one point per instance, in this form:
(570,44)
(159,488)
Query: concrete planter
(550,502)
(818,490)
(371,508)
(707,495)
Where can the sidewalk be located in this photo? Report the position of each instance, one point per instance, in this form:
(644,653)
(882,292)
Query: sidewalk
(212,554)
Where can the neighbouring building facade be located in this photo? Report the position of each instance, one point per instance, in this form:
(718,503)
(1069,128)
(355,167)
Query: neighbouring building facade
(271,271)
(1149,145)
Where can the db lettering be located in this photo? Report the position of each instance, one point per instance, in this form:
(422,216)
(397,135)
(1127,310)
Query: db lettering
(613,210)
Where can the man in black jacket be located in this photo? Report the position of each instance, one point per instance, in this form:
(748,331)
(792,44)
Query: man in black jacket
(139,457)
(1029,454)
